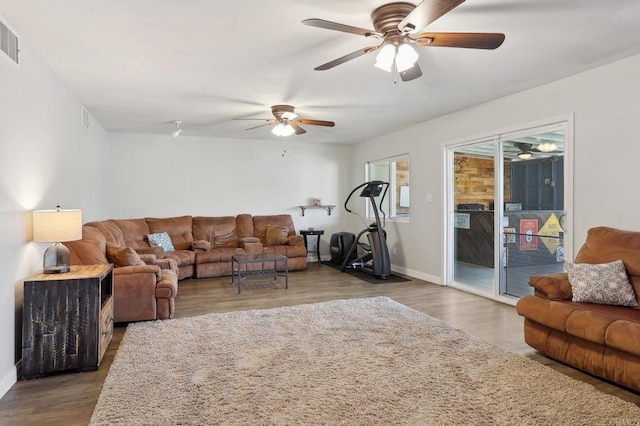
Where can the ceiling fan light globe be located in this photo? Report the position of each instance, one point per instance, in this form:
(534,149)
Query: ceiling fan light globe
(524,155)
(547,147)
(283,130)
(288,130)
(406,57)
(176,133)
(277,129)
(384,59)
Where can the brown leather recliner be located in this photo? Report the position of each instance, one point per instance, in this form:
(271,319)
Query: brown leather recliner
(603,340)
(141,292)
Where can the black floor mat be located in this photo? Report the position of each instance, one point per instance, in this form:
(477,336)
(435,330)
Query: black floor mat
(370,278)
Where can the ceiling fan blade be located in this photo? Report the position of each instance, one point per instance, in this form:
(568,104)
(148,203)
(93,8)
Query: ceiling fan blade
(321,23)
(412,73)
(316,122)
(299,130)
(261,125)
(425,13)
(488,41)
(346,58)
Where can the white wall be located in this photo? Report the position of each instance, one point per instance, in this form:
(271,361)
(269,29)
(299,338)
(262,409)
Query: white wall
(605,103)
(159,176)
(46,158)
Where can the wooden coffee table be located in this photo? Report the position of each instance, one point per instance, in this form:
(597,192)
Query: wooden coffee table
(269,267)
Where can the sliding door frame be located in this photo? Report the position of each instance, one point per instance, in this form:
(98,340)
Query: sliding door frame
(564,123)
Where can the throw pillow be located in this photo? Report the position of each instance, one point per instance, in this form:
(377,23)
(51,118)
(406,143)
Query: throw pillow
(605,283)
(122,256)
(161,239)
(276,235)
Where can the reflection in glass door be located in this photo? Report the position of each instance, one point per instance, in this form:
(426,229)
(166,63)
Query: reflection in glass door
(474,200)
(506,211)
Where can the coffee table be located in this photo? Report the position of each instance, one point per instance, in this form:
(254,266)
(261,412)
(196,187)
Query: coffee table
(269,267)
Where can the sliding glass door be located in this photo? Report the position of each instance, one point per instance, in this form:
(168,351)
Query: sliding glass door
(506,210)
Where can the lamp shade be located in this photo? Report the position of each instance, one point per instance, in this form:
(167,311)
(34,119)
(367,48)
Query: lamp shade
(56,226)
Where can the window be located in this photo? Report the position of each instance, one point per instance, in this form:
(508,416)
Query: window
(395,171)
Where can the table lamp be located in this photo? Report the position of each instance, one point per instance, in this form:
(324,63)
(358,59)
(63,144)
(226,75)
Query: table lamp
(57,226)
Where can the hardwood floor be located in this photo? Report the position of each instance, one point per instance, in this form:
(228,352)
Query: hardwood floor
(68,399)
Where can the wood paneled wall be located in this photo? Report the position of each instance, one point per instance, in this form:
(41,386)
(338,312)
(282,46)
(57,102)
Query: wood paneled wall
(475,180)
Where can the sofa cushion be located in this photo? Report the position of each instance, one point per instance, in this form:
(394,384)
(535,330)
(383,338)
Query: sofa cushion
(604,244)
(134,232)
(123,256)
(260,224)
(90,250)
(219,231)
(276,235)
(203,245)
(180,229)
(161,239)
(605,283)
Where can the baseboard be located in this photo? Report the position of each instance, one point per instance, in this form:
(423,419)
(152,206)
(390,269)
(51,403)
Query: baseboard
(417,274)
(8,381)
(405,271)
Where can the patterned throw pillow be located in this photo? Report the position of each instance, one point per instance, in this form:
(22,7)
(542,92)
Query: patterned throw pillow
(161,239)
(605,283)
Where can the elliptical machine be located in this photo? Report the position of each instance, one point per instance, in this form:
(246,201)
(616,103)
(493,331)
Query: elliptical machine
(375,256)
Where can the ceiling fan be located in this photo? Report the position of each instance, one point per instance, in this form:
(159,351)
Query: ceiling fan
(398,26)
(526,150)
(286,122)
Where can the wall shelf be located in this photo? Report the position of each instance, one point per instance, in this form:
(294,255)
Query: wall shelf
(321,206)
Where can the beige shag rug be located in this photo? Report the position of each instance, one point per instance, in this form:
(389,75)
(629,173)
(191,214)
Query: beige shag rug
(369,361)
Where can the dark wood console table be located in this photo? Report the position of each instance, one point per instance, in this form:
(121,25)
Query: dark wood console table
(67,320)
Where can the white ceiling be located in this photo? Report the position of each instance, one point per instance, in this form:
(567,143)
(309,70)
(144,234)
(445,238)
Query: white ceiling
(138,65)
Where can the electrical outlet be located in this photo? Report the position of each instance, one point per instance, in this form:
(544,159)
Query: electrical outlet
(393,251)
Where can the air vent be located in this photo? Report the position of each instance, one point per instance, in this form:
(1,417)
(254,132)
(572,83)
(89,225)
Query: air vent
(9,42)
(85,118)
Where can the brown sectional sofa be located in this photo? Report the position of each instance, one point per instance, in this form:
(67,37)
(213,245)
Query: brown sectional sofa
(203,248)
(603,340)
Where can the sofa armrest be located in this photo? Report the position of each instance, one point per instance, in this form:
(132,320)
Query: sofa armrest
(141,269)
(246,240)
(554,286)
(250,245)
(295,240)
(148,258)
(168,263)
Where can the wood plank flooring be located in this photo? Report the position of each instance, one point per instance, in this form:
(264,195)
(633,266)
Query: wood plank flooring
(69,399)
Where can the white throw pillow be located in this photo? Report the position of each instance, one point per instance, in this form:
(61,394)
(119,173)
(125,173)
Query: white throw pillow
(605,283)
(161,239)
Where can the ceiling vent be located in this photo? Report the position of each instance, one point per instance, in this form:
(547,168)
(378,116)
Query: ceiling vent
(9,42)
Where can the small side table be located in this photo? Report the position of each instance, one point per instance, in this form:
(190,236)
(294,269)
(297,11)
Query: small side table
(317,233)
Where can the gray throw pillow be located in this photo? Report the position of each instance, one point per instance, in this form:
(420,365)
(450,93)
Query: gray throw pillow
(605,283)
(161,239)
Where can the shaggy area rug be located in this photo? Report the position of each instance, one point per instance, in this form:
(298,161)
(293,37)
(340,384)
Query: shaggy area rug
(345,362)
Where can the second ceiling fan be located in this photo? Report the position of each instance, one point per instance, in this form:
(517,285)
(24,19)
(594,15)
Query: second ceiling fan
(398,26)
(286,122)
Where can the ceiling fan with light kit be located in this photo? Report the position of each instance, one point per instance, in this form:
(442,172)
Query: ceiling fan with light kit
(286,122)
(527,150)
(398,25)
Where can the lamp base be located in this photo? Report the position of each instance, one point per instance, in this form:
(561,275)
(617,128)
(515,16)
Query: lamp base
(56,259)
(56,269)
